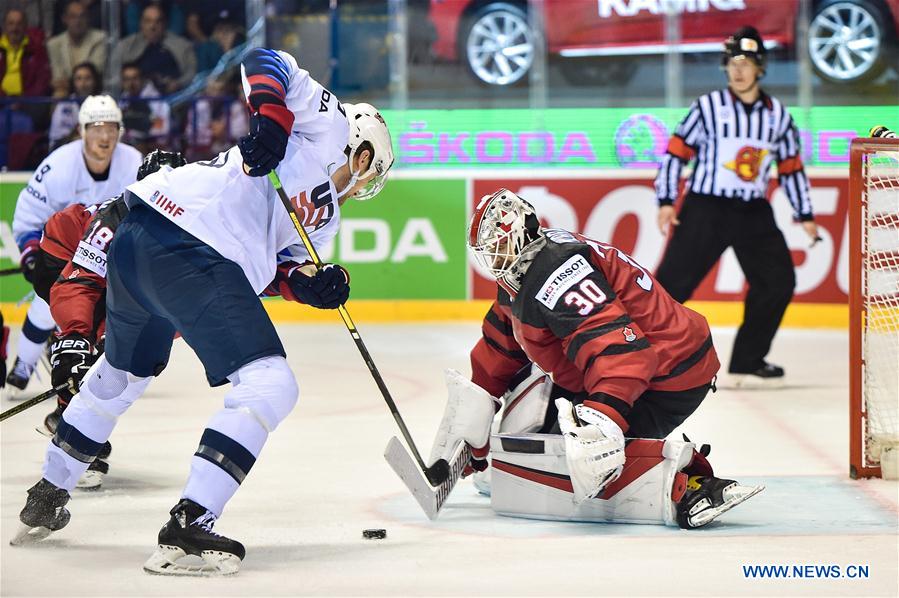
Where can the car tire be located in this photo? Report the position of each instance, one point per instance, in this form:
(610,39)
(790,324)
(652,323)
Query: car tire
(857,56)
(497,44)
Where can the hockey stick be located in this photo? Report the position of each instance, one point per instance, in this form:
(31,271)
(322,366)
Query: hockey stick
(38,399)
(8,271)
(437,473)
(430,499)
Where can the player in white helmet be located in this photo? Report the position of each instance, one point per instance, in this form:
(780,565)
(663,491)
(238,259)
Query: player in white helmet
(199,244)
(86,171)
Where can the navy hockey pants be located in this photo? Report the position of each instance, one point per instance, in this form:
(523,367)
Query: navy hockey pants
(160,280)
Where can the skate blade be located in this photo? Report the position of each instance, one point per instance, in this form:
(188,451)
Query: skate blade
(750,382)
(43,431)
(29,535)
(12,393)
(171,560)
(739,495)
(91,480)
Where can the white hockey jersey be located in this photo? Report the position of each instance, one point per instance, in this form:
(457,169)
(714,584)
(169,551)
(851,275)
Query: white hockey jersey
(63,179)
(241,217)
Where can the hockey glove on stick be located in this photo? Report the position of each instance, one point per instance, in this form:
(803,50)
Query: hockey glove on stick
(28,260)
(328,288)
(71,356)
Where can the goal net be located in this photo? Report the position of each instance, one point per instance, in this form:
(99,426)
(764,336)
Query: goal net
(874,308)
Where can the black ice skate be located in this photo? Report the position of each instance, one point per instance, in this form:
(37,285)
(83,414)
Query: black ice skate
(17,380)
(44,513)
(187,535)
(769,376)
(708,497)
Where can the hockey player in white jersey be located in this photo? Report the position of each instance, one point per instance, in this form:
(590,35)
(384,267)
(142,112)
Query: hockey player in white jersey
(199,244)
(86,171)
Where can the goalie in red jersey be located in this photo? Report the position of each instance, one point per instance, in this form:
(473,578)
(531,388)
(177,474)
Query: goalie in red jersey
(621,359)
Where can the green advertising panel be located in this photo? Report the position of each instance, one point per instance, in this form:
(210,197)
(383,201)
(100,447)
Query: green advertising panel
(12,287)
(408,243)
(594,137)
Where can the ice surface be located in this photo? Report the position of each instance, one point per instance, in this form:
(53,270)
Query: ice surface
(321,480)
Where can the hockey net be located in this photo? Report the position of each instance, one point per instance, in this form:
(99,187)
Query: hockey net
(874,308)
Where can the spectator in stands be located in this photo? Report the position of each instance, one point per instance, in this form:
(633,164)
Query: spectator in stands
(77,44)
(217,119)
(24,67)
(146,118)
(85,81)
(166,59)
(225,36)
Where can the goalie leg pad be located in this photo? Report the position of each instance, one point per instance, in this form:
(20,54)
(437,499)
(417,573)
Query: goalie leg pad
(525,404)
(531,479)
(467,417)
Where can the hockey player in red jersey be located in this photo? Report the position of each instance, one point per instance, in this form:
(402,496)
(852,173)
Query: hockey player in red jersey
(632,360)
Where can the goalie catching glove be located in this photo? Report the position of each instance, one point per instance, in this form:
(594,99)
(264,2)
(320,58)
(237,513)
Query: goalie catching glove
(71,356)
(594,449)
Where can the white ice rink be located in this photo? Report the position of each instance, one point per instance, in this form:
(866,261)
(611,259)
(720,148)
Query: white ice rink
(321,479)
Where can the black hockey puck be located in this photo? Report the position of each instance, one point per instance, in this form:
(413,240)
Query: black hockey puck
(374,534)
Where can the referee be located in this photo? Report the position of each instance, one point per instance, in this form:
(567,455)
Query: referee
(735,134)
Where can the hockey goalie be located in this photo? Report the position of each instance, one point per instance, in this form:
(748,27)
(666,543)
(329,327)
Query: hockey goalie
(596,365)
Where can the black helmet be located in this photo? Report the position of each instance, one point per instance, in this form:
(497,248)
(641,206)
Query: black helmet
(745,42)
(156,160)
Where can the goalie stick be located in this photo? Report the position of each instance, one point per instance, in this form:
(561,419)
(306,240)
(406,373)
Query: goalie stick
(439,471)
(430,498)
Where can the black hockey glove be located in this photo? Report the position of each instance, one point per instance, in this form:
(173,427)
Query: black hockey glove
(264,147)
(28,259)
(328,288)
(71,356)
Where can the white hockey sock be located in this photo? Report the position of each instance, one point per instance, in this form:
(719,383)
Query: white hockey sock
(264,392)
(88,421)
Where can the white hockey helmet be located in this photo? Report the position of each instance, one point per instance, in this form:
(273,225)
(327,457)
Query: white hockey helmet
(502,225)
(99,109)
(367,124)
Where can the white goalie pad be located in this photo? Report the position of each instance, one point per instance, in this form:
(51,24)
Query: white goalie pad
(467,417)
(530,479)
(525,405)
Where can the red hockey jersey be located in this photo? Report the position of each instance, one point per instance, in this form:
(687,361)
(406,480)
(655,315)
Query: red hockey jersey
(81,235)
(598,323)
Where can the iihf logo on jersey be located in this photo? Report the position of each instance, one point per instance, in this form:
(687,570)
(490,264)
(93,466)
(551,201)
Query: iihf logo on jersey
(748,162)
(629,335)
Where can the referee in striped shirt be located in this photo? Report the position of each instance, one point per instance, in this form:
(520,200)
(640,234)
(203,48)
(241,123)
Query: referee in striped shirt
(734,135)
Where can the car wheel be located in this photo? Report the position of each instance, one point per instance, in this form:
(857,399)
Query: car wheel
(846,41)
(499,44)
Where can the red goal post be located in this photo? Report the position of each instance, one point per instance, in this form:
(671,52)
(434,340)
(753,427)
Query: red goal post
(874,308)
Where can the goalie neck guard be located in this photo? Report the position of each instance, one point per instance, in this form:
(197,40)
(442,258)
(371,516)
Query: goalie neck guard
(504,236)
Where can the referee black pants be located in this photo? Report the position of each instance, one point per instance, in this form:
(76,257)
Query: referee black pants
(708,226)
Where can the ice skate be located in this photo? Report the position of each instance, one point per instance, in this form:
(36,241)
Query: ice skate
(708,497)
(17,381)
(767,377)
(43,514)
(188,546)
